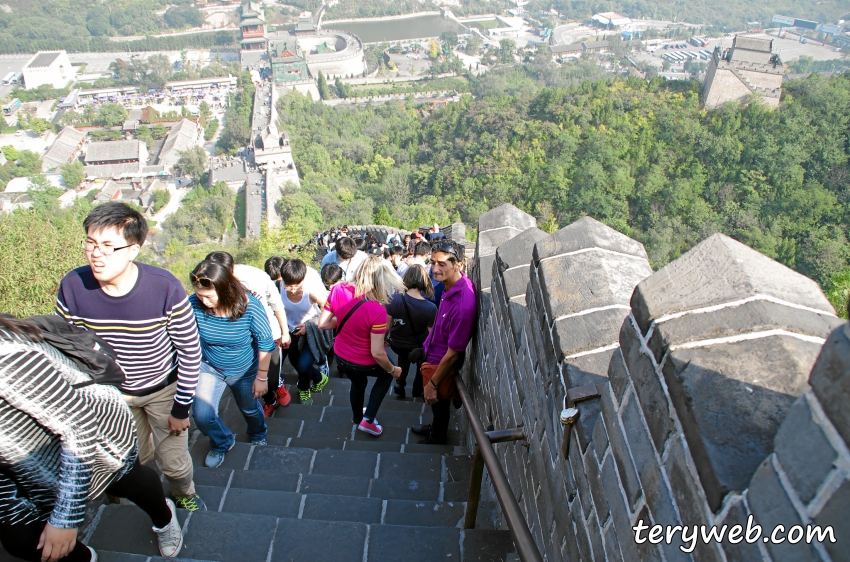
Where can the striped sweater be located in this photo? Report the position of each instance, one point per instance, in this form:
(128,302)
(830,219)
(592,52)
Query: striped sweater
(232,346)
(151,328)
(59,446)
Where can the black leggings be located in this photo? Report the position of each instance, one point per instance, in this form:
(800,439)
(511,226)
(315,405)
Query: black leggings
(140,485)
(358,375)
(274,377)
(404,363)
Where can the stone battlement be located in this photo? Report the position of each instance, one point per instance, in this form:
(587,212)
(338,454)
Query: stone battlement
(719,389)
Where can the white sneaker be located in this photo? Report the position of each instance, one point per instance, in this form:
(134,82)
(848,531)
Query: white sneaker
(93,554)
(170,536)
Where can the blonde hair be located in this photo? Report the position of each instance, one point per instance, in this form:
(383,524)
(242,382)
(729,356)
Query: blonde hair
(376,280)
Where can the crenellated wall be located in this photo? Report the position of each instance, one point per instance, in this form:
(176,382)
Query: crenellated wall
(722,381)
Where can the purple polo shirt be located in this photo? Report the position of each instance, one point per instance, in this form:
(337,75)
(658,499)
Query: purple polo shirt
(456,317)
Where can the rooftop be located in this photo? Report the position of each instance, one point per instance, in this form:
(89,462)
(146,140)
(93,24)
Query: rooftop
(753,44)
(114,151)
(181,137)
(43,59)
(63,149)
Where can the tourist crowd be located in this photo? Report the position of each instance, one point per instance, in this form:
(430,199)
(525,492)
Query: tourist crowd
(91,396)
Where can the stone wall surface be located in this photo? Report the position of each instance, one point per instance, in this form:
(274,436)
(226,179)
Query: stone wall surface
(719,389)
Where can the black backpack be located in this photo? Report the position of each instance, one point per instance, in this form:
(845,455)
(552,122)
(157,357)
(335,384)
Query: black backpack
(91,354)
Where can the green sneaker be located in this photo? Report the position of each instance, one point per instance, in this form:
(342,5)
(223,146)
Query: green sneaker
(318,386)
(306,397)
(191,503)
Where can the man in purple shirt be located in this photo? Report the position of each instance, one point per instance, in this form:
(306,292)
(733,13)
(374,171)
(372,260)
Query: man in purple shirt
(446,344)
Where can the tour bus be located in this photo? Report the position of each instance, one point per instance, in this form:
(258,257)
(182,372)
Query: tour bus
(16,78)
(11,107)
(8,78)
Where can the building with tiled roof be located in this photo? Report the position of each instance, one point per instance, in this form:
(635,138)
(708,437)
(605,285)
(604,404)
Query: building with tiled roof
(183,136)
(64,149)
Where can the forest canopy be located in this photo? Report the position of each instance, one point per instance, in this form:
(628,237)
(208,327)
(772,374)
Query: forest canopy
(639,156)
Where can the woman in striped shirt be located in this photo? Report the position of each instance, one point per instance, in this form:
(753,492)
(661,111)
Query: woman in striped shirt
(63,441)
(236,346)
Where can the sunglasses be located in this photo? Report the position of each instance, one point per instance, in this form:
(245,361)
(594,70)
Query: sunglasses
(202,282)
(446,248)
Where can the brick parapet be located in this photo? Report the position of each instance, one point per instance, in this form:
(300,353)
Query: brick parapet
(709,409)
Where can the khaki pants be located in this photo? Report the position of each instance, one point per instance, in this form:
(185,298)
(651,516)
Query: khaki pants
(171,452)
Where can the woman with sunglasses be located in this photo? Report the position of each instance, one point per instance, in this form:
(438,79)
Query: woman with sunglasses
(236,346)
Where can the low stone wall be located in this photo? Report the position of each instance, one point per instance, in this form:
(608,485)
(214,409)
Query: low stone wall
(722,388)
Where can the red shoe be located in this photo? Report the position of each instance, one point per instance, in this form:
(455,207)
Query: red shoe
(267,410)
(283,397)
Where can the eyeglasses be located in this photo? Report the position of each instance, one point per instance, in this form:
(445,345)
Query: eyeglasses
(202,282)
(105,250)
(444,247)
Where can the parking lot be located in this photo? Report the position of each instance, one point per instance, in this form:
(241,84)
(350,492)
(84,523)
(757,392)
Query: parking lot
(788,49)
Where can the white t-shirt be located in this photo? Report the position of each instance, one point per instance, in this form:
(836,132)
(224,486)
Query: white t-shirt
(258,283)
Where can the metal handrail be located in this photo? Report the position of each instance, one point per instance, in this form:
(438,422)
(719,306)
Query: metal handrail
(523,540)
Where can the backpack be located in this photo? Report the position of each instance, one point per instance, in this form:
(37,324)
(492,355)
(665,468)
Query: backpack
(84,348)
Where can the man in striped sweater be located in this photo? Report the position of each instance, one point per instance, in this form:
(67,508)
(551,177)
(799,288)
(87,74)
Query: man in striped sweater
(144,313)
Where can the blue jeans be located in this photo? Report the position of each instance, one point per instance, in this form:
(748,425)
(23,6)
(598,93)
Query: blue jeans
(303,363)
(211,385)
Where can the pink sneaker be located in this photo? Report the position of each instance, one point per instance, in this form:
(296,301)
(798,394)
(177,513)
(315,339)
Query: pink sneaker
(371,428)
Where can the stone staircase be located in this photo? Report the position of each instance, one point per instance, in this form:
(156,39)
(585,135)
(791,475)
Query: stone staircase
(320,491)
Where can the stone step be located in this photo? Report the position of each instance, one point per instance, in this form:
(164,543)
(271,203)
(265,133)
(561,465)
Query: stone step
(123,534)
(211,484)
(359,463)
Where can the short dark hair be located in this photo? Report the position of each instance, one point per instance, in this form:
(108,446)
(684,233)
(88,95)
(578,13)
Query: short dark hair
(422,249)
(361,244)
(273,266)
(128,221)
(231,294)
(345,248)
(293,272)
(331,273)
(453,249)
(416,277)
(222,258)
(396,251)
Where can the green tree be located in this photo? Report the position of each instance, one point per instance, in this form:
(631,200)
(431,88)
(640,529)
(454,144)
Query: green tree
(473,45)
(161,197)
(324,91)
(110,115)
(506,50)
(192,163)
(143,133)
(204,112)
(159,131)
(449,38)
(210,129)
(73,173)
(11,153)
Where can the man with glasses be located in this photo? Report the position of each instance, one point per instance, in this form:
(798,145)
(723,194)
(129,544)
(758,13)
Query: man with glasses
(144,314)
(445,346)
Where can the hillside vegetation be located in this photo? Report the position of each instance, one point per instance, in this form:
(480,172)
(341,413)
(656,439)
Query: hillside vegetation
(641,157)
(81,25)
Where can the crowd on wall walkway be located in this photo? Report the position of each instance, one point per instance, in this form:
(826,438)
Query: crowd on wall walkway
(92,395)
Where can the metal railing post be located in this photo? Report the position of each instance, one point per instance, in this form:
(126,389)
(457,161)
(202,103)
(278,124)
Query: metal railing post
(523,539)
(474,494)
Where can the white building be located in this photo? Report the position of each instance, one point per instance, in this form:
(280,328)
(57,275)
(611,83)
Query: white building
(610,20)
(48,67)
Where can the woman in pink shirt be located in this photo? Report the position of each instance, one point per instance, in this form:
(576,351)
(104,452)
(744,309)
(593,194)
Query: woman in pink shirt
(356,311)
